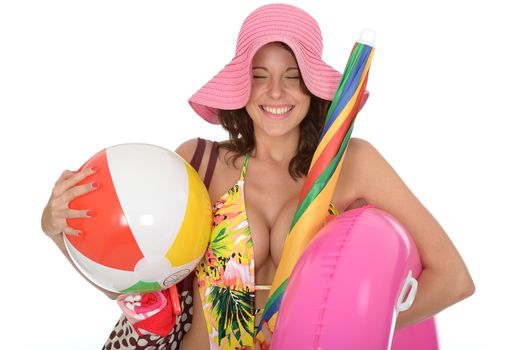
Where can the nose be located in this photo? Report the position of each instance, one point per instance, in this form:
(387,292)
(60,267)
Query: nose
(276,88)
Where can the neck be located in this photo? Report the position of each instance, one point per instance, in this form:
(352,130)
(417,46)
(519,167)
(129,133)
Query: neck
(276,149)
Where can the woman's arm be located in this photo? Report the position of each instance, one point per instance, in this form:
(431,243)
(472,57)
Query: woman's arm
(445,279)
(197,336)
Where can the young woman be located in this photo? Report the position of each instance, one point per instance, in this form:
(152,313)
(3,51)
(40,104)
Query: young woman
(272,98)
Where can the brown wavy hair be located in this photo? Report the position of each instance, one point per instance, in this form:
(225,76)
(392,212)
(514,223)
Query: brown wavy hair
(241,133)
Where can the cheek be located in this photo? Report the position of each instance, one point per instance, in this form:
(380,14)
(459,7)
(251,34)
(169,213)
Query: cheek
(305,103)
(252,105)
(257,89)
(251,109)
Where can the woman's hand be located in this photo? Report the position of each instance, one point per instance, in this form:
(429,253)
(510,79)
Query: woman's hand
(57,209)
(265,345)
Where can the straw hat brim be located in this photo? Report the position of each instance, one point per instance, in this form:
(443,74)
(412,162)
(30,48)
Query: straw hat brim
(230,88)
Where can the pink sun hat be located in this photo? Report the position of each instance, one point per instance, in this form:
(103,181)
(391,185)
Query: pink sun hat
(230,88)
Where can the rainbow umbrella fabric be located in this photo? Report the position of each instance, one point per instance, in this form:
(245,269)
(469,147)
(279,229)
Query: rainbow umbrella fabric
(323,174)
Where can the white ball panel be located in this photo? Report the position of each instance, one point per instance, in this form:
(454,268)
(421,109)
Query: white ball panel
(152,186)
(179,272)
(152,269)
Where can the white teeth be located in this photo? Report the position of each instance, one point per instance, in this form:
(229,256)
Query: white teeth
(274,110)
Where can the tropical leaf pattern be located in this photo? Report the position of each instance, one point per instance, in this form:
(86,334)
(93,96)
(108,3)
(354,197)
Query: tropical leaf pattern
(226,274)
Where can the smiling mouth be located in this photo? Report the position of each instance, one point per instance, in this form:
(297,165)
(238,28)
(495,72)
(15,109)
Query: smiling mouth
(279,111)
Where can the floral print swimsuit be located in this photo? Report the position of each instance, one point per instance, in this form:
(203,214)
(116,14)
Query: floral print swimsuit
(226,276)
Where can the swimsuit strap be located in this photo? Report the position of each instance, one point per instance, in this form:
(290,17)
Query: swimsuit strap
(198,154)
(244,169)
(212,160)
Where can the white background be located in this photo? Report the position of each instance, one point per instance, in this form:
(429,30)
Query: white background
(446,109)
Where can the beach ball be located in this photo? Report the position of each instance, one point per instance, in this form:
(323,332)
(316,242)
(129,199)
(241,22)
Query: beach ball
(151,220)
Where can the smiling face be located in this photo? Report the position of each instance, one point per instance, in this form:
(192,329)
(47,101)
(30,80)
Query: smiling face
(277,103)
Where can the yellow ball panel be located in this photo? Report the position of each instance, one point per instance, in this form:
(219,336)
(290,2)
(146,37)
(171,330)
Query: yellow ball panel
(194,234)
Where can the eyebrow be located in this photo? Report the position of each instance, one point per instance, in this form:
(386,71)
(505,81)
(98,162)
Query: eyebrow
(288,69)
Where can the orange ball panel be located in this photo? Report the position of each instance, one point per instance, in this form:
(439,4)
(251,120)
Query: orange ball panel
(107,238)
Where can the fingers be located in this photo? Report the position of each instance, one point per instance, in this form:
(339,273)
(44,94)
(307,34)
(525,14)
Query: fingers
(56,223)
(79,190)
(65,174)
(58,205)
(74,214)
(69,179)
(57,210)
(264,345)
(72,232)
(267,333)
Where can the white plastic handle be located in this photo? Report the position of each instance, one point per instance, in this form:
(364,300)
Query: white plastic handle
(367,37)
(410,282)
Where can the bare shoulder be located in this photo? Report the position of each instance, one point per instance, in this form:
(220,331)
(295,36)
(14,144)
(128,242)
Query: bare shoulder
(356,142)
(361,161)
(225,171)
(369,176)
(361,152)
(187,149)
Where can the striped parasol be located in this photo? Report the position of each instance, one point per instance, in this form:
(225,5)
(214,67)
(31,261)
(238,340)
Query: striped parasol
(324,171)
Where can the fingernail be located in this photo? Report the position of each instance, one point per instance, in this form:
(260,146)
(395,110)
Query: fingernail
(95,184)
(90,213)
(75,233)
